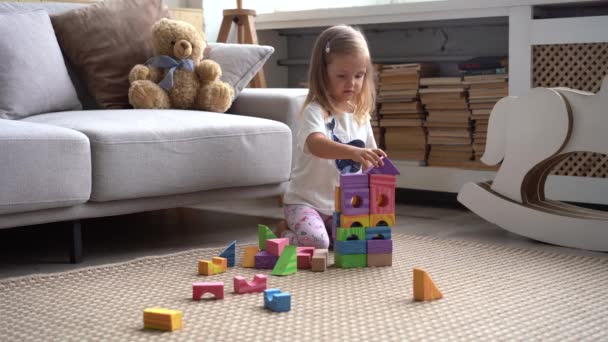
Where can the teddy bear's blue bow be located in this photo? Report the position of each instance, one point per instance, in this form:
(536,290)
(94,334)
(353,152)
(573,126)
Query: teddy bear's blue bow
(171,63)
(345,165)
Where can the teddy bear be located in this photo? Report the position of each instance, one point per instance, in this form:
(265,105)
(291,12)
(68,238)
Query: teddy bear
(177,76)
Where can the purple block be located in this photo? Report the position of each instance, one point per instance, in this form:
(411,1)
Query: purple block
(362,201)
(354,180)
(265,260)
(387,169)
(379,246)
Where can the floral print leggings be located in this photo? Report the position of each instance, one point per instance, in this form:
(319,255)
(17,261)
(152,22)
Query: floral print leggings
(307,226)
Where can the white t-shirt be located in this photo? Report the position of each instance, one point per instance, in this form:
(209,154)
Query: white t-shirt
(312,178)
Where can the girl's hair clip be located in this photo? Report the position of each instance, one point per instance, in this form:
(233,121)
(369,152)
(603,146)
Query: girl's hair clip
(327,47)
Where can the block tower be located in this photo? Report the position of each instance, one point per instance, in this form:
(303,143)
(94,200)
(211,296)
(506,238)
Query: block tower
(363,217)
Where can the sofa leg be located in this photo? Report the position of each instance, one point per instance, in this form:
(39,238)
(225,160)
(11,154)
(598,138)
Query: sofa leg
(76,242)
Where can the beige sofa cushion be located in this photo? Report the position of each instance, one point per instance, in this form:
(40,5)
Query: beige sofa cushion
(148,153)
(42,167)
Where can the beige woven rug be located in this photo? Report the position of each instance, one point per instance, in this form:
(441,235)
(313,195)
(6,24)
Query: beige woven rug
(490,293)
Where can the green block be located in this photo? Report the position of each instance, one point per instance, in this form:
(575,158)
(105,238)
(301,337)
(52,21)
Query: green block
(350,260)
(287,263)
(343,234)
(264,233)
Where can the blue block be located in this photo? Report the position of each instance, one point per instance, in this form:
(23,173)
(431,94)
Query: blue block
(350,247)
(229,253)
(335,223)
(373,233)
(277,301)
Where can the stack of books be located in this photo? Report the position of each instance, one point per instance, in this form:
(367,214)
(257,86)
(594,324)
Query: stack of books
(375,115)
(401,115)
(487,80)
(448,121)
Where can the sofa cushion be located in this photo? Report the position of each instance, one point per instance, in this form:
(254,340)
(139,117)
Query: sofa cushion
(239,62)
(42,167)
(33,75)
(105,40)
(146,153)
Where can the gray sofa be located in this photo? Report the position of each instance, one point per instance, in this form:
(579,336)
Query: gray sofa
(71,165)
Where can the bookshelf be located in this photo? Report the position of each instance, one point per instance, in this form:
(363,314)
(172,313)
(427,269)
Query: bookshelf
(448,32)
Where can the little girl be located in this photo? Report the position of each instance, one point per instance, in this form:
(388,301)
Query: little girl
(334,135)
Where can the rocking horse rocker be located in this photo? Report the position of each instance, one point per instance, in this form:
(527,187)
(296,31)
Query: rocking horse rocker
(531,134)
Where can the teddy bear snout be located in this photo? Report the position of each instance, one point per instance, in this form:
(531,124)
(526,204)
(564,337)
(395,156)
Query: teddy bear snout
(182,49)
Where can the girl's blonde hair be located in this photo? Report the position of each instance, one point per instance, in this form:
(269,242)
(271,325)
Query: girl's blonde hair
(340,40)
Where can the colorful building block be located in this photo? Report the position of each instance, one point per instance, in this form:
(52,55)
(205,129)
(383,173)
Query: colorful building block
(354,221)
(200,288)
(264,233)
(424,287)
(378,260)
(381,220)
(382,194)
(162,319)
(379,246)
(378,233)
(215,266)
(357,233)
(265,260)
(258,284)
(388,168)
(337,202)
(335,223)
(350,247)
(277,301)
(354,201)
(305,257)
(249,256)
(230,253)
(287,263)
(275,246)
(319,260)
(350,260)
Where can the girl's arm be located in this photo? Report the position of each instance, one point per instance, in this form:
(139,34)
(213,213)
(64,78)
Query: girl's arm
(320,146)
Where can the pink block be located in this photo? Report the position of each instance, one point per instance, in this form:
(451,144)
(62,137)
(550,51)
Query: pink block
(275,246)
(200,288)
(258,284)
(305,257)
(382,200)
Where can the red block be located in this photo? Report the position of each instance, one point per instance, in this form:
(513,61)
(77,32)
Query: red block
(382,194)
(305,257)
(200,288)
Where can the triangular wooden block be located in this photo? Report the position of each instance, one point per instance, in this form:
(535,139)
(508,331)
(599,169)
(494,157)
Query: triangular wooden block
(230,253)
(287,263)
(424,287)
(264,233)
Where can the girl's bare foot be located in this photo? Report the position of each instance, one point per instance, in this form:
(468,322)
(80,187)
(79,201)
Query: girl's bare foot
(281,227)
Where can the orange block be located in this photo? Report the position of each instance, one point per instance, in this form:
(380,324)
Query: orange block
(249,256)
(350,221)
(215,266)
(424,287)
(337,201)
(377,220)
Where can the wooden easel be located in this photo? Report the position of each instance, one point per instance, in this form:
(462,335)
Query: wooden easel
(246,33)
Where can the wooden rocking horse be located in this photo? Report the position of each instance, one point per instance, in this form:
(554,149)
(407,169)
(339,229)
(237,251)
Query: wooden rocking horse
(531,134)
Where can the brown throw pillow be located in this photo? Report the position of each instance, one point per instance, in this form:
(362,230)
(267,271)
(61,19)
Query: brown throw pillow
(105,40)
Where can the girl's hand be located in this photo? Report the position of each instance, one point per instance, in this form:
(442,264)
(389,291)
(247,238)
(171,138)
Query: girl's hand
(368,157)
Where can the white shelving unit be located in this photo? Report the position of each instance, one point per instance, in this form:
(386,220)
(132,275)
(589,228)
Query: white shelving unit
(523,32)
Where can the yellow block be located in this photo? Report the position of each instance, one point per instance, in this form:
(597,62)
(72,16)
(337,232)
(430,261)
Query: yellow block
(350,221)
(249,257)
(162,319)
(215,266)
(384,219)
